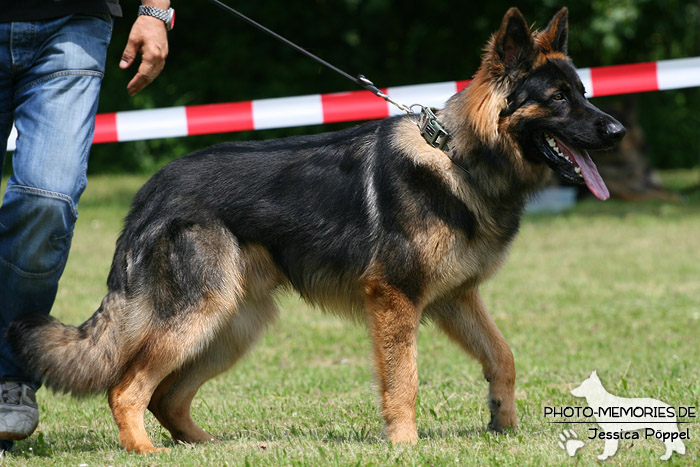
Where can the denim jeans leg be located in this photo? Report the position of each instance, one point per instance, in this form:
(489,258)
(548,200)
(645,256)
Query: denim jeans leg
(58,67)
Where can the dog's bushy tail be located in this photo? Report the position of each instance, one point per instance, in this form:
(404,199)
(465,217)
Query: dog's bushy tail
(80,360)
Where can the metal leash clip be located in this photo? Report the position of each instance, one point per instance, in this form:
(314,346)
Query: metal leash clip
(431,128)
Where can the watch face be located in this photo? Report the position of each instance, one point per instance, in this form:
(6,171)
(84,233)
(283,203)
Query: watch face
(171,19)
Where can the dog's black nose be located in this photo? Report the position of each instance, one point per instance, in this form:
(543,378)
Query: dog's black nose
(614,131)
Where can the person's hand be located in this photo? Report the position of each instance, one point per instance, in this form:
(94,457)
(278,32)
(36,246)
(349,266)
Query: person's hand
(148,37)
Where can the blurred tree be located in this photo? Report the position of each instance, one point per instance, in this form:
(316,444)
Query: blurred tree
(218,58)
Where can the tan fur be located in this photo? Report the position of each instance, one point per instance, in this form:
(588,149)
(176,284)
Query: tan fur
(449,257)
(260,274)
(393,322)
(545,39)
(463,317)
(172,399)
(171,365)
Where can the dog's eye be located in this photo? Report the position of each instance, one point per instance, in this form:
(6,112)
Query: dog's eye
(558,96)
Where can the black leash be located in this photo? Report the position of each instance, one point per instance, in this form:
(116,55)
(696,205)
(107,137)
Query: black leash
(431,128)
(361,80)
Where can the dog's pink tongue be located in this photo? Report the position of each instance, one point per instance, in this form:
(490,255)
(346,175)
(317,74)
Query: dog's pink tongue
(593,180)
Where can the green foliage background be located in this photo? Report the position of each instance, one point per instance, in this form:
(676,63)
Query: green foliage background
(218,58)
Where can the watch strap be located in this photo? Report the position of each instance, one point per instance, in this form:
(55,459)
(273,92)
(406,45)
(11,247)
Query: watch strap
(167,16)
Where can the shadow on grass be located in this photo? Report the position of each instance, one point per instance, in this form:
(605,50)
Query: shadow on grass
(70,442)
(66,442)
(363,435)
(463,433)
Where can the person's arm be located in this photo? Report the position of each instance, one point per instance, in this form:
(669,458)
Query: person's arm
(148,37)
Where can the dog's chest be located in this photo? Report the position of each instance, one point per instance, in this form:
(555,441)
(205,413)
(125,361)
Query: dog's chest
(453,260)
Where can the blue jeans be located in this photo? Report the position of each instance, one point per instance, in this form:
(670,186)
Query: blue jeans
(50,76)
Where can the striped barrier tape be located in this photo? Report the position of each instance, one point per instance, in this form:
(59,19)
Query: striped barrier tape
(359,105)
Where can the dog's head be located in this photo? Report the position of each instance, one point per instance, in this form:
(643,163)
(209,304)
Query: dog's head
(528,96)
(589,386)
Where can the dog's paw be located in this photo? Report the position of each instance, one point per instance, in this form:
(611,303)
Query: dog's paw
(503,416)
(570,442)
(398,433)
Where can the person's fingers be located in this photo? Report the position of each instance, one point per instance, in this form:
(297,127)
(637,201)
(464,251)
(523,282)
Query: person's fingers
(148,37)
(128,55)
(149,69)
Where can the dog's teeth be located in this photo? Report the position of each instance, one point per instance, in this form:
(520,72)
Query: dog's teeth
(577,170)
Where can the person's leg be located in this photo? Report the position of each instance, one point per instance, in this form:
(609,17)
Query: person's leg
(57,70)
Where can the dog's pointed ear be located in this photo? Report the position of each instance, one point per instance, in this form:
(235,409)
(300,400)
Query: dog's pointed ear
(594,375)
(513,41)
(556,36)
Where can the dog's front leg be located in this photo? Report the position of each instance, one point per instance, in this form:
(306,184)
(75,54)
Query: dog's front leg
(393,322)
(467,322)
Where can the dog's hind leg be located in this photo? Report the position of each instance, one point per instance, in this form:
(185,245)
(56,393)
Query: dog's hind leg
(467,322)
(172,399)
(167,349)
(394,322)
(171,402)
(188,291)
(129,397)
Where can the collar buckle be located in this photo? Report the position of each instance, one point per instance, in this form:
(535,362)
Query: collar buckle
(432,129)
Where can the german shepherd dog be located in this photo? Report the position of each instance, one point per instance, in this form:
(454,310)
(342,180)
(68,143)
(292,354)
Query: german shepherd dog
(371,222)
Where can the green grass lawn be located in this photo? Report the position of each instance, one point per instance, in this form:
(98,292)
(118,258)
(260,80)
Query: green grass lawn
(612,287)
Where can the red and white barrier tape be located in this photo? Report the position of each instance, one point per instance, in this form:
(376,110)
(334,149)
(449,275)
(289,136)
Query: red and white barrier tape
(359,105)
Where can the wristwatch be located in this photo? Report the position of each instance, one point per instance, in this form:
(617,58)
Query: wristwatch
(167,16)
